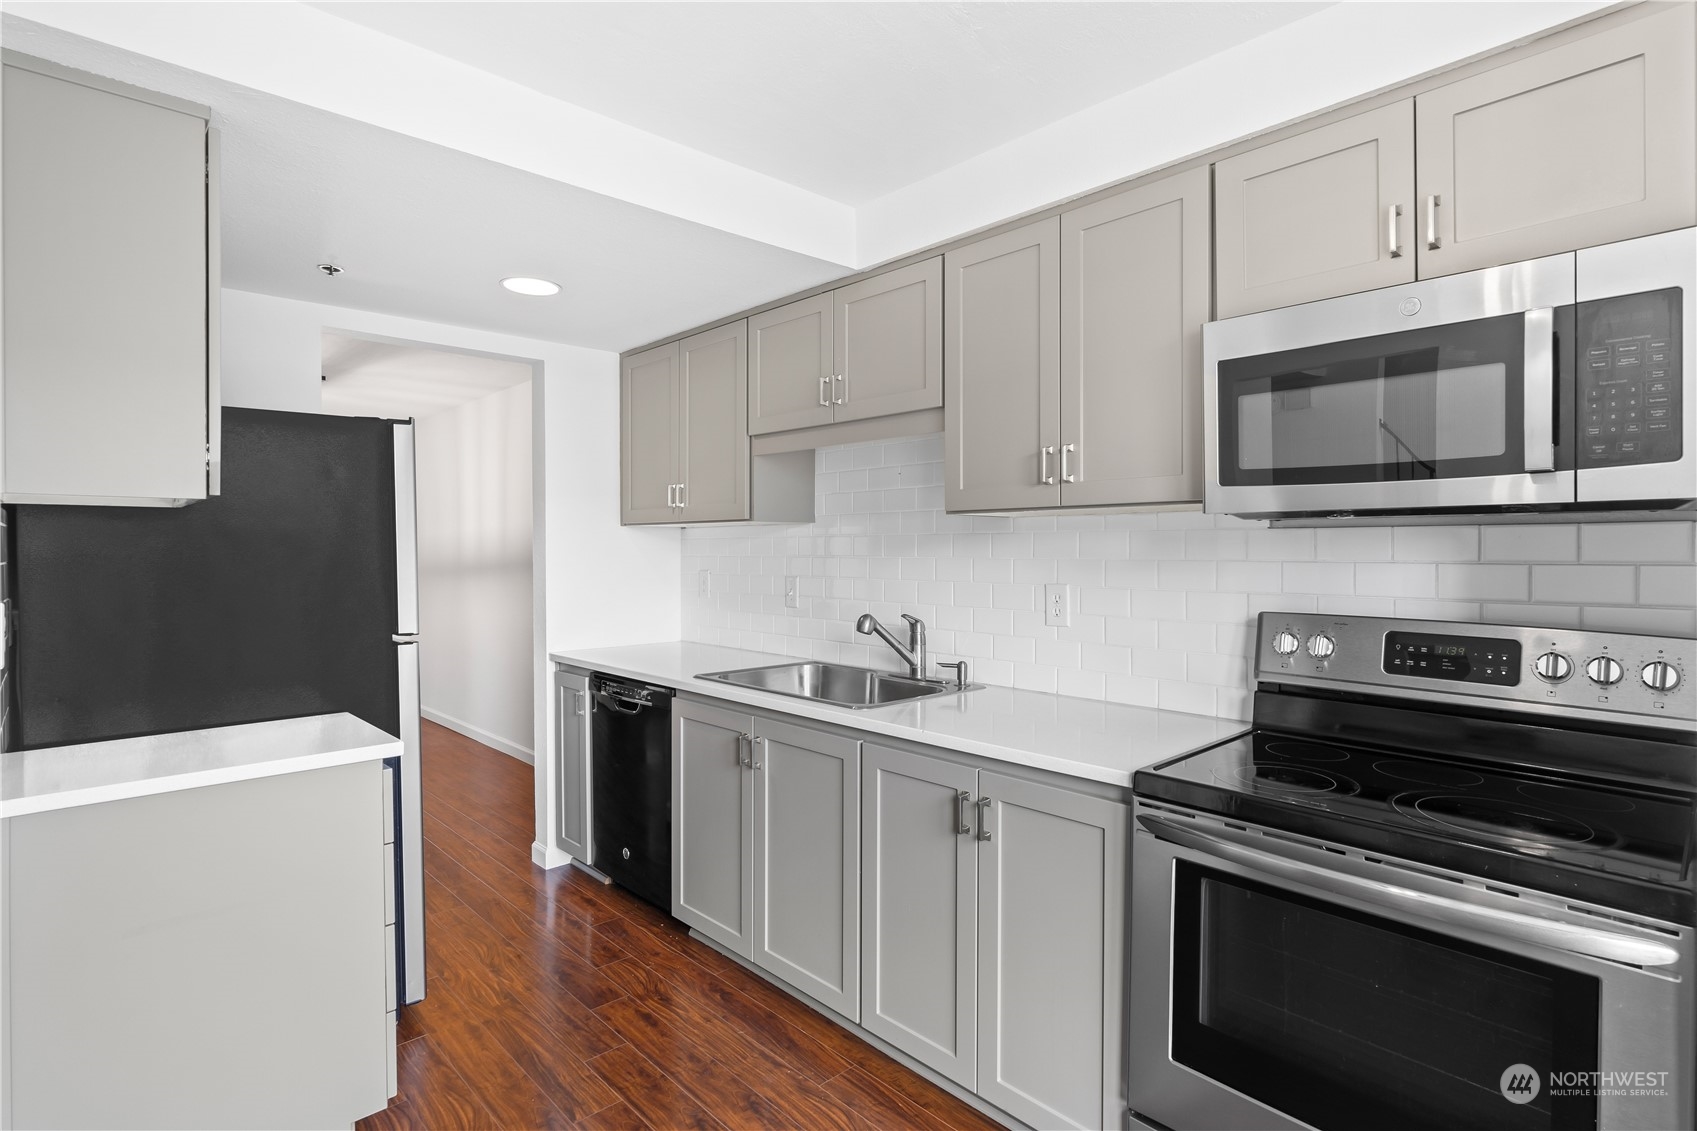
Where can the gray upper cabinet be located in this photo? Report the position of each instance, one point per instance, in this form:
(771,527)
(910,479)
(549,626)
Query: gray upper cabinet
(712,822)
(919,909)
(1582,144)
(807,862)
(1052,878)
(111,286)
(713,375)
(649,449)
(571,720)
(792,357)
(1326,212)
(889,342)
(1001,371)
(1135,290)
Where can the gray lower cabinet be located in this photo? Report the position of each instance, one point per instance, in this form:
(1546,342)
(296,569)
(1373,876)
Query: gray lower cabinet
(993,937)
(111,293)
(1323,213)
(571,768)
(1002,371)
(1582,144)
(766,846)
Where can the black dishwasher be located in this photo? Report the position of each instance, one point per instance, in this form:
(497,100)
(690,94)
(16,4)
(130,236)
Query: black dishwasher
(631,775)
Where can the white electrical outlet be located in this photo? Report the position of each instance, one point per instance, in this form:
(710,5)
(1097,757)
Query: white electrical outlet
(1057,605)
(704,583)
(792,593)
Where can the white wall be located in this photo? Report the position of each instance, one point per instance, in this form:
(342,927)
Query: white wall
(596,583)
(1165,604)
(474,569)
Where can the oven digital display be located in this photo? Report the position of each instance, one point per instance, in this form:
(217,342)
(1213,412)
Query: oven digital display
(1471,659)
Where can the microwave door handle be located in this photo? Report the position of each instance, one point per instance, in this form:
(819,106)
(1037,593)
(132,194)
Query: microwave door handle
(1416,905)
(1538,403)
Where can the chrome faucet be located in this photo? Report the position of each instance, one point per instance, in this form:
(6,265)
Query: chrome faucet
(912,654)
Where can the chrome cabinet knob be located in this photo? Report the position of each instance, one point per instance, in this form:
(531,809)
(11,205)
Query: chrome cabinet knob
(1604,671)
(1321,646)
(1552,667)
(1659,675)
(1286,643)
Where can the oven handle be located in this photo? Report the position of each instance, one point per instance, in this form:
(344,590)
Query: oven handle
(1588,941)
(1538,404)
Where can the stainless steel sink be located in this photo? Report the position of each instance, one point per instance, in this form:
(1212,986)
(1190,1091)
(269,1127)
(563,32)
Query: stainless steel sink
(837,684)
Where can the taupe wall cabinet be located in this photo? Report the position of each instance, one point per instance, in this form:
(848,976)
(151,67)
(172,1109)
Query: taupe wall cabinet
(1582,144)
(571,715)
(1074,360)
(766,846)
(111,287)
(873,348)
(684,415)
(993,933)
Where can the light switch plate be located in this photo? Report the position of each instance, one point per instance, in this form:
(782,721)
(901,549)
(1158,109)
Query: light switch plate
(792,592)
(1057,605)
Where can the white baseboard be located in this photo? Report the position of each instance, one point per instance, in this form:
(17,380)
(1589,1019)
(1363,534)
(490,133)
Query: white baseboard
(547,856)
(510,749)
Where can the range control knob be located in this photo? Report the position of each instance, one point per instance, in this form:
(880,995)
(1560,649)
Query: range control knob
(1659,675)
(1286,642)
(1320,646)
(1552,667)
(1604,671)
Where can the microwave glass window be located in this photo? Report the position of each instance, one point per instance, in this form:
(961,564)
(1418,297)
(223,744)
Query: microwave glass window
(1422,420)
(1343,1019)
(1442,402)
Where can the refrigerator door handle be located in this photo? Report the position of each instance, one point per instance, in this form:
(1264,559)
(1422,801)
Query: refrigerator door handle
(409,833)
(406,533)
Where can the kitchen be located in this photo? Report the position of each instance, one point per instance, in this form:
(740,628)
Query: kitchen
(984,603)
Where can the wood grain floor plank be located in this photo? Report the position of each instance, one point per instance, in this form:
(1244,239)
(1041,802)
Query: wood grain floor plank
(660,1100)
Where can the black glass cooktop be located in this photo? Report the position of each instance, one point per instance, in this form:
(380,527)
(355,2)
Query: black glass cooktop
(1622,847)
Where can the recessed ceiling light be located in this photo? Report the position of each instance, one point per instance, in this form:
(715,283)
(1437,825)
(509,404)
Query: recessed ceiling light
(520,284)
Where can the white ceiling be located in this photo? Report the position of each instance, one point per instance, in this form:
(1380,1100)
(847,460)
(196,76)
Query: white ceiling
(370,378)
(847,100)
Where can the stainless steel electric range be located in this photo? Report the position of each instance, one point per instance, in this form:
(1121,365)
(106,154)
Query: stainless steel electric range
(1446,881)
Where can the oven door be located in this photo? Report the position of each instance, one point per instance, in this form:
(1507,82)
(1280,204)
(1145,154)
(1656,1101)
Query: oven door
(1444,394)
(1278,984)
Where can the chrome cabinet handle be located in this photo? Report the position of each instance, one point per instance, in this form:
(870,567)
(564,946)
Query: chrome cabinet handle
(963,824)
(1408,904)
(1432,203)
(842,389)
(983,804)
(754,764)
(1043,455)
(1393,245)
(745,760)
(1066,451)
(824,391)
(577,697)
(683,494)
(671,494)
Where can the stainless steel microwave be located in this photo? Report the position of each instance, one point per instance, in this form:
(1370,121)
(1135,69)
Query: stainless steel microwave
(1556,384)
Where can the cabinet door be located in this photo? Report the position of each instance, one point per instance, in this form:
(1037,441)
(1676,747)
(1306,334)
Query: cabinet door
(714,441)
(106,297)
(1327,212)
(571,721)
(890,342)
(648,447)
(1051,954)
(919,907)
(1134,295)
(792,354)
(807,862)
(1583,144)
(713,822)
(1001,371)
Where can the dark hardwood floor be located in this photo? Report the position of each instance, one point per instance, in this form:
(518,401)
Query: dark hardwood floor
(555,1001)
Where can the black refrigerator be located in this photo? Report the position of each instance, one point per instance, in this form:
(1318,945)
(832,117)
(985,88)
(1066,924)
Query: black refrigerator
(292,592)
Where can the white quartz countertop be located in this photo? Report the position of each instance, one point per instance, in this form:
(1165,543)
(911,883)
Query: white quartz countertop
(61,777)
(1083,738)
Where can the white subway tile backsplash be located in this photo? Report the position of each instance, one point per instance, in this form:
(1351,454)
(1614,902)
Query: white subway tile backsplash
(1164,604)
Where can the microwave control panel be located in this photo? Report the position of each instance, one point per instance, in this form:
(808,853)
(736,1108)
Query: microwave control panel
(1628,399)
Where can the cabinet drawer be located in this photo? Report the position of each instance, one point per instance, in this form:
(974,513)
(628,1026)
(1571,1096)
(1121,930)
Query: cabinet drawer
(389,968)
(388,805)
(394,1080)
(389,884)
